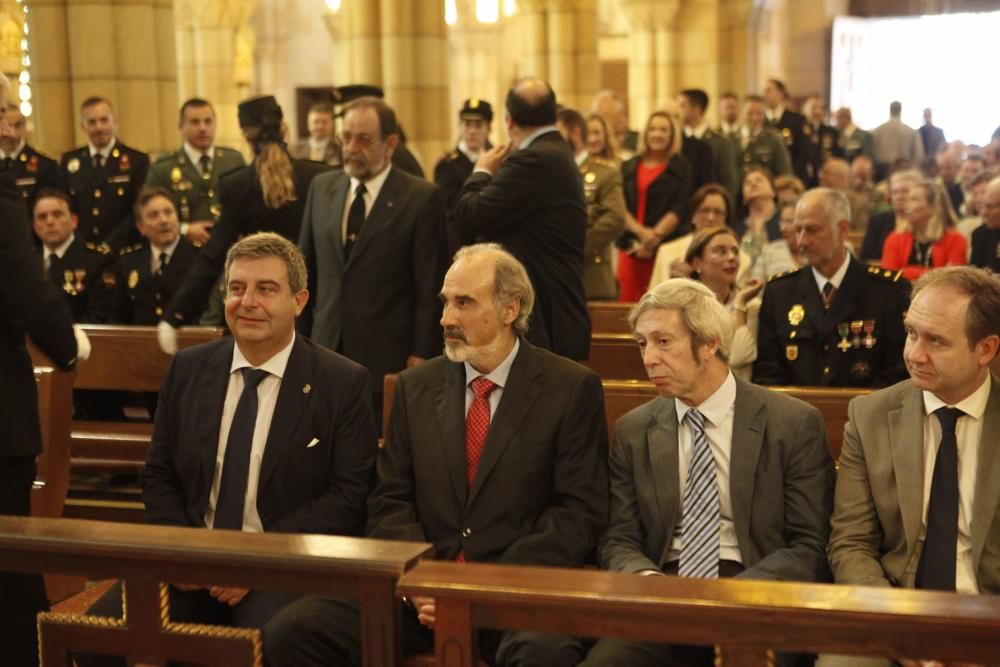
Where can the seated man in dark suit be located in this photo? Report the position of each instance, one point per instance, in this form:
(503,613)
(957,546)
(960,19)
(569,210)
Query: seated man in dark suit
(986,238)
(882,224)
(496,453)
(917,498)
(287,444)
(716,477)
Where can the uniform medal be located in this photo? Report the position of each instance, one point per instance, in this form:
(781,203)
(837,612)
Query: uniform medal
(856,332)
(79,275)
(869,340)
(842,331)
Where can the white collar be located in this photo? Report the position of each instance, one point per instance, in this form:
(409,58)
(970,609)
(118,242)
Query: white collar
(195,154)
(498,375)
(106,151)
(537,133)
(17,151)
(275,365)
(698,131)
(157,251)
(775,115)
(61,249)
(467,152)
(317,144)
(974,405)
(581,157)
(715,407)
(372,185)
(838,276)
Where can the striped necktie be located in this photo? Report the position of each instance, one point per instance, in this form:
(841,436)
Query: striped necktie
(700,507)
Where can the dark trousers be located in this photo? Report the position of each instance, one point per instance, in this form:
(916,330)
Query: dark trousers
(192,607)
(322,632)
(22,595)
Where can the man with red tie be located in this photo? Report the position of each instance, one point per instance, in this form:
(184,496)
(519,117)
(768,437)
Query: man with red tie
(496,452)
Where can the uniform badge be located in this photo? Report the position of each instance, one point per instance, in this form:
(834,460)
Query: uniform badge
(791,352)
(115,152)
(862,369)
(856,333)
(796,314)
(124,164)
(175,175)
(869,339)
(590,177)
(109,279)
(32,164)
(79,274)
(843,329)
(133,279)
(68,283)
(73,166)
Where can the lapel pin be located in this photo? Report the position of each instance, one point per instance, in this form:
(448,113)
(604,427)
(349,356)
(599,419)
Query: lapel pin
(389,204)
(306,389)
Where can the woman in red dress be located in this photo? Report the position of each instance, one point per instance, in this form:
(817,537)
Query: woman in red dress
(930,240)
(657,185)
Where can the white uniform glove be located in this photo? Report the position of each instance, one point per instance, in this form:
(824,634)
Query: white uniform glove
(82,343)
(167,337)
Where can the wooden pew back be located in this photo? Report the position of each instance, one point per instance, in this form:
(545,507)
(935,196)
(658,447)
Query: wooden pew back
(143,556)
(609,317)
(55,410)
(744,618)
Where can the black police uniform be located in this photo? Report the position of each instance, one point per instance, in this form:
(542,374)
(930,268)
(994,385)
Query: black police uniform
(858,342)
(791,128)
(140,296)
(452,170)
(83,276)
(32,172)
(104,197)
(822,143)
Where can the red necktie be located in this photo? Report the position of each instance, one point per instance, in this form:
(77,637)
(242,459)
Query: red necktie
(477,424)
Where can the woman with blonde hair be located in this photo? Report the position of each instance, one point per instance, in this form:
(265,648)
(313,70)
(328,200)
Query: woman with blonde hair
(657,184)
(268,195)
(929,240)
(600,142)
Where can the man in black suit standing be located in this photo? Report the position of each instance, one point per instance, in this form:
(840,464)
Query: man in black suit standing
(496,453)
(32,170)
(262,432)
(375,244)
(528,196)
(28,305)
(789,124)
(104,177)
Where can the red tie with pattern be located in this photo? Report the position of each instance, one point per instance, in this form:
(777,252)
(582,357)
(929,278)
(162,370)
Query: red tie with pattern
(477,424)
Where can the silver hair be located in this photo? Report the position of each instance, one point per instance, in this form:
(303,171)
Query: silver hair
(836,206)
(704,317)
(510,281)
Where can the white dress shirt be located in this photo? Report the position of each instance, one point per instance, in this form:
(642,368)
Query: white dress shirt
(195,154)
(14,153)
(372,187)
(104,152)
(59,250)
(837,278)
(267,398)
(968,434)
(467,152)
(155,252)
(719,410)
(497,377)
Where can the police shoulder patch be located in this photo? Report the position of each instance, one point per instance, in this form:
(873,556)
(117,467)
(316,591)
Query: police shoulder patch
(786,274)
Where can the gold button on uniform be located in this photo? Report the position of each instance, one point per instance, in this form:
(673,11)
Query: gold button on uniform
(826,370)
(97,194)
(95,211)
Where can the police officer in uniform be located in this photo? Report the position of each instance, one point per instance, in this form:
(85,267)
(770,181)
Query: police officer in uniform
(79,269)
(822,140)
(474,130)
(103,178)
(602,187)
(759,144)
(789,125)
(191,174)
(32,170)
(835,322)
(148,274)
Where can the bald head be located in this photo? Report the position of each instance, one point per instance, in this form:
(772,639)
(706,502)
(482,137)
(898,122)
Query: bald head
(990,209)
(835,174)
(531,103)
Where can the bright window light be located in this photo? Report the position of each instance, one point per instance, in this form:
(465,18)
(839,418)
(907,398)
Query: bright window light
(333,5)
(487,11)
(450,12)
(943,62)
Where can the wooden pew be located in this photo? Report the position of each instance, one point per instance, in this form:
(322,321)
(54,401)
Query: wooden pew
(744,619)
(55,410)
(361,569)
(609,317)
(615,356)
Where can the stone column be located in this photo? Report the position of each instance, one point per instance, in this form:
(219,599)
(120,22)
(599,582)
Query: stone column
(473,55)
(653,63)
(737,47)
(535,45)
(51,81)
(212,56)
(572,51)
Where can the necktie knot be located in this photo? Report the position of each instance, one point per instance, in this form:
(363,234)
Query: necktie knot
(163,260)
(695,420)
(482,387)
(253,377)
(206,163)
(948,417)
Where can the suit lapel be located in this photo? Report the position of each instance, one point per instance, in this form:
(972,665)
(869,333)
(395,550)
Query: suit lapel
(987,498)
(292,401)
(843,300)
(213,381)
(382,211)
(335,209)
(749,425)
(664,476)
(906,446)
(449,402)
(519,394)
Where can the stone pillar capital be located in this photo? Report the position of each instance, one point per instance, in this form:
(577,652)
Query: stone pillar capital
(218,14)
(651,14)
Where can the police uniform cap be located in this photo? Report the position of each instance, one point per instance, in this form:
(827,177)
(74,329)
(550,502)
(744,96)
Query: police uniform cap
(476,108)
(260,112)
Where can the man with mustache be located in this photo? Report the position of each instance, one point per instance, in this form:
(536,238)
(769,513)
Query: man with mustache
(375,243)
(496,453)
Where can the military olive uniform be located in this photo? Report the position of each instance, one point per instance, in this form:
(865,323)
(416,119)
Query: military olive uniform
(84,276)
(140,296)
(104,197)
(602,186)
(766,150)
(195,195)
(858,342)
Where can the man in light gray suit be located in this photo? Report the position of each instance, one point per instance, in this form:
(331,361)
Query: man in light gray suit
(715,477)
(917,503)
(375,245)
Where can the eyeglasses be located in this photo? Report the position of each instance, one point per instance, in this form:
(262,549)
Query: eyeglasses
(721,212)
(363,140)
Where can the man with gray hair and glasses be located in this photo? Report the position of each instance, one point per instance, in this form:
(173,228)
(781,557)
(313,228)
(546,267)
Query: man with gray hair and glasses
(496,453)
(714,478)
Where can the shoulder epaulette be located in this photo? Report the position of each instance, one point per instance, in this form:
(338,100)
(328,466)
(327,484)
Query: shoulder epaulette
(102,248)
(785,274)
(453,155)
(129,249)
(219,150)
(165,157)
(887,275)
(603,161)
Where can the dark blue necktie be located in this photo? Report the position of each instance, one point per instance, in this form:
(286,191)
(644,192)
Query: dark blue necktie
(355,219)
(236,463)
(936,570)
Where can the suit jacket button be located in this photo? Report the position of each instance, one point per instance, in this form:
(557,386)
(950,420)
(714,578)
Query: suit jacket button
(467,533)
